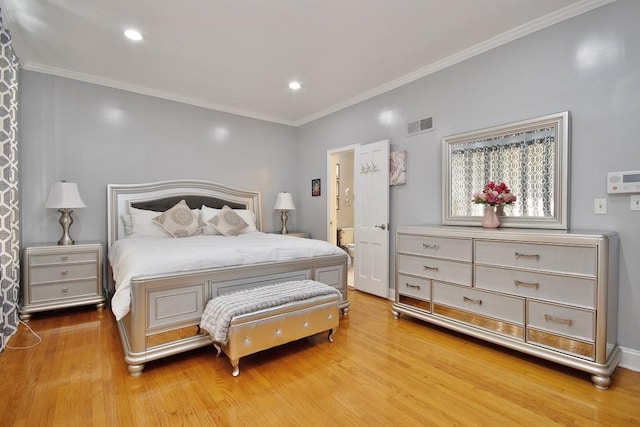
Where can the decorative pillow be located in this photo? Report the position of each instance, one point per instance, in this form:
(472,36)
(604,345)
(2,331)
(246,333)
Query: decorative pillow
(206,213)
(142,224)
(228,222)
(249,218)
(179,221)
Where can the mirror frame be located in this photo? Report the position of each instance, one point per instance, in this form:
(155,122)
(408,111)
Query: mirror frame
(560,218)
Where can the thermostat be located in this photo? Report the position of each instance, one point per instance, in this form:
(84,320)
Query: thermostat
(623,182)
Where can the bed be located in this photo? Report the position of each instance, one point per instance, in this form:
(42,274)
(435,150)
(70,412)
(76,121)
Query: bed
(158,307)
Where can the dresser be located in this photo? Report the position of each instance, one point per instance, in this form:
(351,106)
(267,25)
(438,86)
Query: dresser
(551,294)
(60,276)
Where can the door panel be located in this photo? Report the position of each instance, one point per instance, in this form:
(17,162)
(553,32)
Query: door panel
(371,222)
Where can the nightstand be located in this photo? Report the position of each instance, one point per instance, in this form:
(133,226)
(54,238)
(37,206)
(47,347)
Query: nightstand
(304,235)
(60,276)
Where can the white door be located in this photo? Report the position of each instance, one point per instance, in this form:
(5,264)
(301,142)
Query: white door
(371,221)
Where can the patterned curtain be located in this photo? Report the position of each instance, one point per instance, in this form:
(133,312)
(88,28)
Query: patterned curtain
(524,161)
(9,204)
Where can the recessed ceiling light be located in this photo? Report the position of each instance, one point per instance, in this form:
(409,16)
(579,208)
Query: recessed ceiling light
(133,35)
(295,85)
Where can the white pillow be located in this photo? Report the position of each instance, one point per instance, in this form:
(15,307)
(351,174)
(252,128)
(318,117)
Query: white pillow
(228,222)
(179,220)
(206,213)
(142,224)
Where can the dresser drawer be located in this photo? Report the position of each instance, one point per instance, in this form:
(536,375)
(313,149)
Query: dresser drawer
(67,257)
(556,258)
(413,286)
(433,268)
(498,306)
(567,289)
(568,321)
(63,290)
(439,247)
(497,313)
(62,272)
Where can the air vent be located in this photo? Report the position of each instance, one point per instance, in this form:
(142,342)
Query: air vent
(419,126)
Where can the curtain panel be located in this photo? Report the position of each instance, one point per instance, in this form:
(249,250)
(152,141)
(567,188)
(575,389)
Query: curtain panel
(9,202)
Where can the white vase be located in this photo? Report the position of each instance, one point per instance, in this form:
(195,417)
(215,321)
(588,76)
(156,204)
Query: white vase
(490,218)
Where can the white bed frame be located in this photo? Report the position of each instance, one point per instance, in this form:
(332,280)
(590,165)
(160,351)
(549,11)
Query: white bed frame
(165,310)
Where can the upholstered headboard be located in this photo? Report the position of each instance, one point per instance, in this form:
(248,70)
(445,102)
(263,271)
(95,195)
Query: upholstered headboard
(160,196)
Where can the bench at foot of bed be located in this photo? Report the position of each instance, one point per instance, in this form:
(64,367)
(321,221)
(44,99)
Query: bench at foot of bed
(263,329)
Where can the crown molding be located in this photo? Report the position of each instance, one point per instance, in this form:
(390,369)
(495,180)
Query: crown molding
(502,39)
(88,78)
(499,40)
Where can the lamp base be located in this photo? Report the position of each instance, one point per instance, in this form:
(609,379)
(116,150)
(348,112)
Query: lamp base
(65,222)
(284,218)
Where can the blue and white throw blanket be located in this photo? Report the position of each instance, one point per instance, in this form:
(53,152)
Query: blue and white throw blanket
(220,310)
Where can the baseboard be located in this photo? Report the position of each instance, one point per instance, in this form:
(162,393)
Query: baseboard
(630,359)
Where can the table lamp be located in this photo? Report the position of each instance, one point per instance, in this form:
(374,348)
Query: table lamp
(284,203)
(64,196)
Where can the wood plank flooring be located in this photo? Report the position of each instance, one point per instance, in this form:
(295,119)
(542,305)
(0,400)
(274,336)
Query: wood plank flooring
(379,371)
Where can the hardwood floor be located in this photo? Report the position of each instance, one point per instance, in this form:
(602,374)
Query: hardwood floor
(379,371)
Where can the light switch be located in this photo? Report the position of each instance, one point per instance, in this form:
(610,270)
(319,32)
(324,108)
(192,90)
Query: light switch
(635,202)
(600,206)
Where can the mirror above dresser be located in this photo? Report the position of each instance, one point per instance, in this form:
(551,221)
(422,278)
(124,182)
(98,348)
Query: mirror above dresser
(530,156)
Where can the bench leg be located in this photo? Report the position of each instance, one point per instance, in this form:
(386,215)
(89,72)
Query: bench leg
(236,367)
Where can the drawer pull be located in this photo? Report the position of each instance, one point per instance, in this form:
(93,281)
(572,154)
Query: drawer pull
(64,272)
(65,290)
(64,258)
(472,301)
(426,267)
(409,285)
(550,318)
(533,256)
(527,284)
(429,246)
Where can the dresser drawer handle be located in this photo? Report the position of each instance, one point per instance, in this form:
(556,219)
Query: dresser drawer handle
(426,267)
(64,258)
(550,318)
(65,290)
(533,256)
(429,246)
(527,284)
(472,301)
(64,272)
(409,285)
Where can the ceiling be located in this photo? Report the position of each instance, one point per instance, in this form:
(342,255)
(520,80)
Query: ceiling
(238,56)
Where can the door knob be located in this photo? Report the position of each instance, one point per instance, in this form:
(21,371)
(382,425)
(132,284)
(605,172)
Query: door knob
(383,226)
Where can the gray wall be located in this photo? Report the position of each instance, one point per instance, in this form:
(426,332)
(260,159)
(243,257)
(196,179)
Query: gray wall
(94,135)
(589,65)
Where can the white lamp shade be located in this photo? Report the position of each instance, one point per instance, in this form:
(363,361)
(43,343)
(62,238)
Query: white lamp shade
(284,202)
(64,195)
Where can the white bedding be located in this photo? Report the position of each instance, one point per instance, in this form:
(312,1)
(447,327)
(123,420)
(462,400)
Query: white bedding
(139,256)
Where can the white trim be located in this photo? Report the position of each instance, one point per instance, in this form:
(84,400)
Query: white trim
(630,359)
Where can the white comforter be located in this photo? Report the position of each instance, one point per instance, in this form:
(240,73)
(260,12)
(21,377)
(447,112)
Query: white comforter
(139,256)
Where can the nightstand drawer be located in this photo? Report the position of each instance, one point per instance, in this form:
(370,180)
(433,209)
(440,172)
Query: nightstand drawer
(62,273)
(64,290)
(60,258)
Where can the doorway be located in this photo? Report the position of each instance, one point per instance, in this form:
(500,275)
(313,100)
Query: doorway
(341,204)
